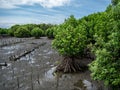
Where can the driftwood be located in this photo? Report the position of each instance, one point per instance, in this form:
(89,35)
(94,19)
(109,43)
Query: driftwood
(14,57)
(3,64)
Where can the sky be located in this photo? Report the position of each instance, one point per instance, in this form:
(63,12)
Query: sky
(46,11)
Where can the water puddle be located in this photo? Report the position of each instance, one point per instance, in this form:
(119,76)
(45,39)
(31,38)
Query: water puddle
(46,57)
(28,58)
(49,75)
(7,77)
(9,52)
(32,61)
(83,85)
(87,84)
(11,47)
(50,52)
(47,63)
(40,54)
(45,51)
(4,67)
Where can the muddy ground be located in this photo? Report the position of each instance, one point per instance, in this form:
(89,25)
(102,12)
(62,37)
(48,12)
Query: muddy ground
(35,71)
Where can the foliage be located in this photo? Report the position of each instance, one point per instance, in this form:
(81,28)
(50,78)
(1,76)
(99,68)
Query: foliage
(22,32)
(70,41)
(13,29)
(96,25)
(109,8)
(10,32)
(107,62)
(105,68)
(3,31)
(29,27)
(44,26)
(37,32)
(116,12)
(115,2)
(71,21)
(50,32)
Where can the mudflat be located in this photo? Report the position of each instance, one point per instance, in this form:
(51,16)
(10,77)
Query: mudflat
(35,69)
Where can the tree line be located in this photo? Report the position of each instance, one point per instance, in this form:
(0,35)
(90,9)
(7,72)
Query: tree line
(27,30)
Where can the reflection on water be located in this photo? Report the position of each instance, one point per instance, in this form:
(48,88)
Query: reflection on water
(28,58)
(50,74)
(9,52)
(87,84)
(80,84)
(8,65)
(47,63)
(50,52)
(83,84)
(11,47)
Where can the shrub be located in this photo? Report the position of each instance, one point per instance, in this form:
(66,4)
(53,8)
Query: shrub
(107,62)
(50,32)
(70,42)
(22,32)
(12,30)
(37,32)
(106,68)
(3,31)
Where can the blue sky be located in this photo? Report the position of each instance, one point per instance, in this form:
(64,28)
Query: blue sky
(46,11)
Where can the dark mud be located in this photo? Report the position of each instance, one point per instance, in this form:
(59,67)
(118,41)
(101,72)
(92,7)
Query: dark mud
(35,70)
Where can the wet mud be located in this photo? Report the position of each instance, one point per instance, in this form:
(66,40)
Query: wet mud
(35,70)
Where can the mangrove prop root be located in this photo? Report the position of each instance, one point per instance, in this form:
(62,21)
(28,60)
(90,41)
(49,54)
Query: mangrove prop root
(69,65)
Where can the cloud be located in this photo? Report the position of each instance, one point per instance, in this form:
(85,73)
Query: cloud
(8,4)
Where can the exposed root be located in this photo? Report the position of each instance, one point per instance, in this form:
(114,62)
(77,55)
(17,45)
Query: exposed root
(69,65)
